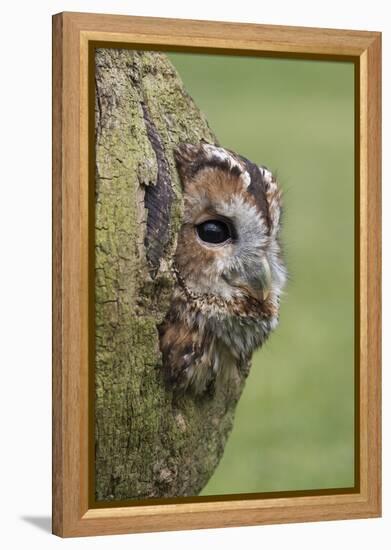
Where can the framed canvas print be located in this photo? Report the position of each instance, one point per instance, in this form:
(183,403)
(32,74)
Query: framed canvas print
(216,274)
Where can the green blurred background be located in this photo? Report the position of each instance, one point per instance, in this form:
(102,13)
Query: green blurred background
(294,426)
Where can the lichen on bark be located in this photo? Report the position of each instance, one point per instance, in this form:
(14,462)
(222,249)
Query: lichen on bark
(149,443)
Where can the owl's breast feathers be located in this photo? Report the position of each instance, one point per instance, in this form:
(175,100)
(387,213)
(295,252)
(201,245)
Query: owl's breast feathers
(206,339)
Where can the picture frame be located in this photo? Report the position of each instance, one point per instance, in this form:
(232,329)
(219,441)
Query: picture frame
(75,35)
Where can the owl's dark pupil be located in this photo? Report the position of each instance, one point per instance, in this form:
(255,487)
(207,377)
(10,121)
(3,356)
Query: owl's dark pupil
(213,231)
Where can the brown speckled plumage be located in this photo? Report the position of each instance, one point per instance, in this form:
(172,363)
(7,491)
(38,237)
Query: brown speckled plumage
(226,301)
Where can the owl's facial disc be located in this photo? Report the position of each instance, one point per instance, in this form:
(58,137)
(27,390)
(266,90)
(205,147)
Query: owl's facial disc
(228,245)
(256,283)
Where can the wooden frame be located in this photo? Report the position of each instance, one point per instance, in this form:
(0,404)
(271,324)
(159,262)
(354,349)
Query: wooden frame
(72,33)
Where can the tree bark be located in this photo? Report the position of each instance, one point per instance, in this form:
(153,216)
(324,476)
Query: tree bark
(149,442)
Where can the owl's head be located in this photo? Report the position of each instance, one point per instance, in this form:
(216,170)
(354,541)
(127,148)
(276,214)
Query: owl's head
(228,245)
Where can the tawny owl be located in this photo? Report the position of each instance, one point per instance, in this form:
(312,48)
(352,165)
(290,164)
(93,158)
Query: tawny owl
(228,265)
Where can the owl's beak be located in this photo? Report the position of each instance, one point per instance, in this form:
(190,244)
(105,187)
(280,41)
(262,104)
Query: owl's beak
(257,284)
(260,284)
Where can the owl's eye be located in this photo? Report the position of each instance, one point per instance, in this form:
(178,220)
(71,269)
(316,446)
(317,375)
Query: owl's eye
(214,231)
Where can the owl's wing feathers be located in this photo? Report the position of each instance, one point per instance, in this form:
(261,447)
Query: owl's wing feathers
(187,355)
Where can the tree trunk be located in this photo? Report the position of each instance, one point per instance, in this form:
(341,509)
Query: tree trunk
(149,442)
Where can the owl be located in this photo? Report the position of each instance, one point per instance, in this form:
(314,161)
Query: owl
(228,267)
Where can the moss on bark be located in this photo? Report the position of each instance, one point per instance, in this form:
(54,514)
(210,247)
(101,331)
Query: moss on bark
(149,442)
